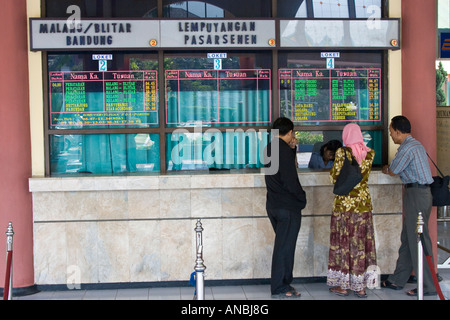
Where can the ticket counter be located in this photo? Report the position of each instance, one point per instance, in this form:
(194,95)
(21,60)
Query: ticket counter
(141,229)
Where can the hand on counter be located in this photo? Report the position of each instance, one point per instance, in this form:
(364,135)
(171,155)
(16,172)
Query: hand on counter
(386,170)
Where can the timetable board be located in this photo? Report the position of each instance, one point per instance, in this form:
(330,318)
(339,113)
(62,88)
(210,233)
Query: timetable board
(103,98)
(330,95)
(223,97)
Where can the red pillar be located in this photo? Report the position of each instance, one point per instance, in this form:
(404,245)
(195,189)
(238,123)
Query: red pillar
(15,146)
(419,23)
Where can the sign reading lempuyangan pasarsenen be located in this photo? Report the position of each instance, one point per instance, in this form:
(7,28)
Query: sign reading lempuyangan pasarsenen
(217,33)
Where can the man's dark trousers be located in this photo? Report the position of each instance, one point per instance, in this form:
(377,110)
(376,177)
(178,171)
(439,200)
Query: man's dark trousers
(415,200)
(286,224)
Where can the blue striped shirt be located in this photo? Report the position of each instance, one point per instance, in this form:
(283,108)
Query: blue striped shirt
(411,162)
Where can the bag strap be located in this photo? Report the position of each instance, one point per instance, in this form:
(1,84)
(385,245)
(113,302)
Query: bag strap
(345,153)
(351,155)
(442,175)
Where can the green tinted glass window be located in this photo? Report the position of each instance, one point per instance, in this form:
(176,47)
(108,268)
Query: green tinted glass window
(214,150)
(104,153)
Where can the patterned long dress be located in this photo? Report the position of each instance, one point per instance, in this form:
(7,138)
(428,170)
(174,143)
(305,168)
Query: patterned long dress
(352,255)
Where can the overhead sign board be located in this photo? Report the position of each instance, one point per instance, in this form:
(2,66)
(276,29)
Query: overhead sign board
(217,33)
(336,33)
(98,34)
(54,34)
(445,45)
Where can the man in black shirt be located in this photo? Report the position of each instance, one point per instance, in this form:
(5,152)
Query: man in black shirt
(285,201)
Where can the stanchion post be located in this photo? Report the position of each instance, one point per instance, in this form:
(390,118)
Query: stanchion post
(9,247)
(199,266)
(419,257)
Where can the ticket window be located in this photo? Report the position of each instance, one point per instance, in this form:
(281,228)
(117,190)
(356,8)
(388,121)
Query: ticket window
(311,142)
(318,97)
(109,121)
(226,104)
(237,92)
(103,113)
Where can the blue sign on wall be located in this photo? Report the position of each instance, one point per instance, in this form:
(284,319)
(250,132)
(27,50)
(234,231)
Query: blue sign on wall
(445,45)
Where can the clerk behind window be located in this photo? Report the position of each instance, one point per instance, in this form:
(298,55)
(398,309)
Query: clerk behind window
(325,158)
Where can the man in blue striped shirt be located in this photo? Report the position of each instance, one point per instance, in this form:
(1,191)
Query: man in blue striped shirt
(411,165)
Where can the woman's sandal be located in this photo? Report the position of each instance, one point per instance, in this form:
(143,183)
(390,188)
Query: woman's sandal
(338,291)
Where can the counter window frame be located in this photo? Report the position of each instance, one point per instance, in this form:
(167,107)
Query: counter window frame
(384,122)
(162,130)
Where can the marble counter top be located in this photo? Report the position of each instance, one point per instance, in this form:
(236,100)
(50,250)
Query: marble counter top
(183,181)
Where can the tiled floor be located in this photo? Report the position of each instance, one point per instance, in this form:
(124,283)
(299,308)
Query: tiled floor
(310,291)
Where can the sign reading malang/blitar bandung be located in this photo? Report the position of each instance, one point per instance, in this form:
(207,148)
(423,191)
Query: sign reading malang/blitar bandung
(109,34)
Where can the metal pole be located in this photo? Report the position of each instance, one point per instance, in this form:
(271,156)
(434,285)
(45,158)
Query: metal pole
(419,257)
(9,246)
(199,266)
(199,274)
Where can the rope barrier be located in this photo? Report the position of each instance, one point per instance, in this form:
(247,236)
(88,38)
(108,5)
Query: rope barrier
(193,282)
(433,273)
(435,279)
(421,251)
(443,248)
(7,287)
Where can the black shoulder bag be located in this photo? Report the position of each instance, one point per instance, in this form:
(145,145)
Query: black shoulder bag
(439,188)
(348,178)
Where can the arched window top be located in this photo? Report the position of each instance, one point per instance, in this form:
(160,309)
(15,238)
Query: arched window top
(229,9)
(336,9)
(192,9)
(217,9)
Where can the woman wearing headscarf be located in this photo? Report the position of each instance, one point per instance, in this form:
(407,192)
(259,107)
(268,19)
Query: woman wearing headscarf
(352,255)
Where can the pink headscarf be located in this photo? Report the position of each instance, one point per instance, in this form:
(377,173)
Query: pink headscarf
(352,137)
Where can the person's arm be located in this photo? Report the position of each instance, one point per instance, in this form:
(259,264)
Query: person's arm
(288,174)
(386,170)
(400,162)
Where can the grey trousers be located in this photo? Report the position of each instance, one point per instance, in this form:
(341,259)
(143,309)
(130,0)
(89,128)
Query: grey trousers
(415,200)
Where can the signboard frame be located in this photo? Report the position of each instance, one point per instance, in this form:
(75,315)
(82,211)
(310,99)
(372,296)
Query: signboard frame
(55,34)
